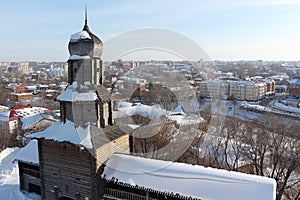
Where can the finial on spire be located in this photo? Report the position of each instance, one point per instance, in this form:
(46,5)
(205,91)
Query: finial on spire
(85,23)
(85,28)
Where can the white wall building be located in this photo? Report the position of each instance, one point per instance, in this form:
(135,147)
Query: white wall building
(240,90)
(247,90)
(214,89)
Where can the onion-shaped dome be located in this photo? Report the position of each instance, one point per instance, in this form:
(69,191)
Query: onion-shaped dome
(85,43)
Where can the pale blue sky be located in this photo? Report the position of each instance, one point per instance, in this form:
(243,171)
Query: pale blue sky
(226,30)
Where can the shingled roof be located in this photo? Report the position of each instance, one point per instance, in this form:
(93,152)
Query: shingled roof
(102,93)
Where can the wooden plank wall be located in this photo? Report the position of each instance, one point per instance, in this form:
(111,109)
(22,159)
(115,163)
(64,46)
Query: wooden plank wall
(119,145)
(67,169)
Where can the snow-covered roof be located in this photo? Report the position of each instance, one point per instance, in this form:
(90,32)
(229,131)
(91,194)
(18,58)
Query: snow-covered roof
(77,57)
(29,153)
(188,180)
(66,132)
(281,87)
(50,90)
(177,111)
(31,87)
(41,86)
(80,35)
(27,112)
(267,80)
(154,112)
(29,122)
(4,116)
(3,108)
(72,93)
(242,82)
(22,94)
(295,80)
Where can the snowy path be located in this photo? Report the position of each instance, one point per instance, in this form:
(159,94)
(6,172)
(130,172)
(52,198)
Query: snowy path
(9,177)
(9,155)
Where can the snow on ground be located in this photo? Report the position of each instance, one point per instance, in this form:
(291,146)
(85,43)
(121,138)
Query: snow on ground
(9,177)
(247,110)
(282,111)
(230,109)
(281,106)
(184,120)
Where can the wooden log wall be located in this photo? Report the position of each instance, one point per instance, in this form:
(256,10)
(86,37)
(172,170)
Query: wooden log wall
(67,170)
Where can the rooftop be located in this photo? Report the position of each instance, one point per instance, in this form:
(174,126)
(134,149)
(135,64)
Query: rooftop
(29,154)
(188,180)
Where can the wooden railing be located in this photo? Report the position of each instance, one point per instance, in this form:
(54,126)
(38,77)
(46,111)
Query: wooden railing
(109,192)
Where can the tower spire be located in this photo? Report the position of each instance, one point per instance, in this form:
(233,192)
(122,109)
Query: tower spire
(85,22)
(86,27)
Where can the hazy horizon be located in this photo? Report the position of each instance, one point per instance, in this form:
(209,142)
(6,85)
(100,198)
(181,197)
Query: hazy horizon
(228,31)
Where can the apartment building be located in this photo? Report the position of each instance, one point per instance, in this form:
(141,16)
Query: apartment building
(294,88)
(247,90)
(213,89)
(239,90)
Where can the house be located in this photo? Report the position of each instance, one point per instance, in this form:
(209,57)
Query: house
(29,172)
(21,97)
(10,118)
(21,89)
(38,122)
(25,111)
(8,122)
(281,88)
(270,86)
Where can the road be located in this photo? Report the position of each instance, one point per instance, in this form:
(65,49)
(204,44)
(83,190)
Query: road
(269,103)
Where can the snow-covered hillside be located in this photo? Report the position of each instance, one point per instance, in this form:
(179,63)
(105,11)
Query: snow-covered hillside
(9,177)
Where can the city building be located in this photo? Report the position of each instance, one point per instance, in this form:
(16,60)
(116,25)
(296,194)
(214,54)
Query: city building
(213,89)
(239,90)
(270,86)
(8,122)
(21,89)
(21,97)
(247,90)
(10,118)
(23,68)
(294,87)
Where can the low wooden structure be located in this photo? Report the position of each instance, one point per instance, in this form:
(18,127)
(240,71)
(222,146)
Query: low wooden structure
(29,168)
(70,170)
(29,177)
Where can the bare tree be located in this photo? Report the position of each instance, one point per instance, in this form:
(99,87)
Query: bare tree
(270,150)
